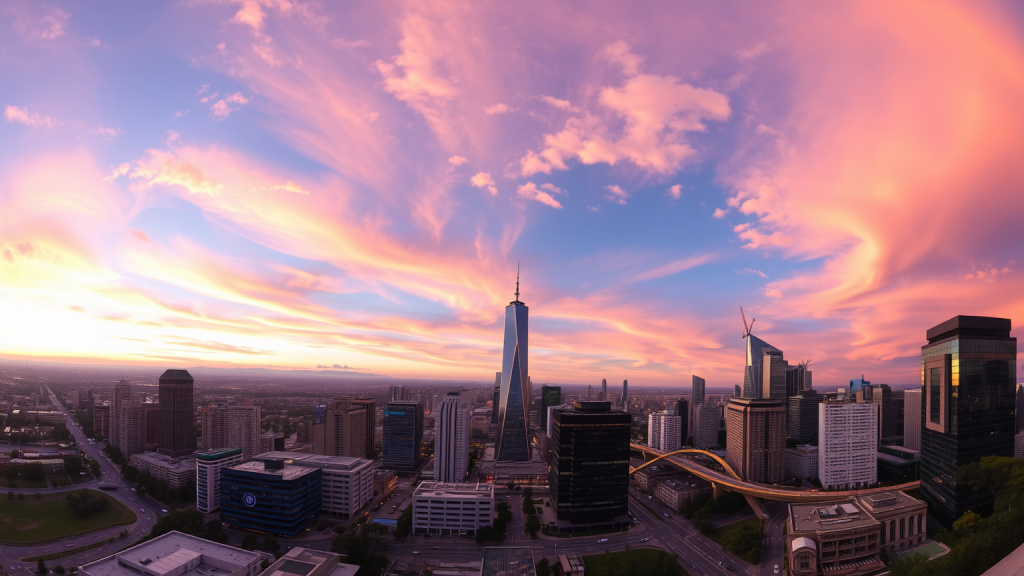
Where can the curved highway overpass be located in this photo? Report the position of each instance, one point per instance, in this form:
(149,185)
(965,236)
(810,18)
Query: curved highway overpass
(731,481)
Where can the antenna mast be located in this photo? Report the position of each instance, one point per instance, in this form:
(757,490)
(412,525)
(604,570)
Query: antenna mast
(517,281)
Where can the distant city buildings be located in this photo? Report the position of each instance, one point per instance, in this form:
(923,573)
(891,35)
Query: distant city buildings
(512,442)
(802,416)
(625,395)
(343,429)
(549,396)
(451,440)
(127,421)
(208,466)
(860,389)
(101,420)
(176,436)
(664,430)
(706,420)
(403,436)
(589,478)
(697,391)
(976,357)
(451,509)
(683,410)
(847,445)
(798,379)
(231,427)
(756,438)
(881,396)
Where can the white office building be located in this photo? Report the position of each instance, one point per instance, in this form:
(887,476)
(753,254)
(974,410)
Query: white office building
(208,467)
(447,509)
(847,445)
(178,554)
(707,419)
(346,483)
(912,419)
(664,430)
(802,462)
(451,442)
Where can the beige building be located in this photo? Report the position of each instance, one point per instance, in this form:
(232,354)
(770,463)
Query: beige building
(674,492)
(232,427)
(343,431)
(176,471)
(848,538)
(756,439)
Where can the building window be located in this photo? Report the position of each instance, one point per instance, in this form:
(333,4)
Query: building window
(919,523)
(934,389)
(903,529)
(892,530)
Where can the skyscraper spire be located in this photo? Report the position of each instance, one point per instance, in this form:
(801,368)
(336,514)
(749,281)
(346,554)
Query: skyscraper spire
(517,281)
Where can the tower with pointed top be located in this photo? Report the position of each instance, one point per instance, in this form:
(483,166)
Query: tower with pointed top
(513,438)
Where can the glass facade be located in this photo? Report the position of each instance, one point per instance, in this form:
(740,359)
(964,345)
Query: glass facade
(968,379)
(589,478)
(403,436)
(802,416)
(513,439)
(269,502)
(753,375)
(549,396)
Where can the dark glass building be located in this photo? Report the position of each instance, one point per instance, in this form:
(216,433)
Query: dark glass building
(270,497)
(549,396)
(683,411)
(512,441)
(176,437)
(403,436)
(589,478)
(802,416)
(969,374)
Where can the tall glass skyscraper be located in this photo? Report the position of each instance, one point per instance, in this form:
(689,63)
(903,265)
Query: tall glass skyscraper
(403,436)
(969,374)
(697,393)
(549,396)
(513,438)
(753,375)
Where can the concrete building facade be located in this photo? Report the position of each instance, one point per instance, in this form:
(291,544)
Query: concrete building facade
(847,445)
(208,467)
(756,438)
(452,508)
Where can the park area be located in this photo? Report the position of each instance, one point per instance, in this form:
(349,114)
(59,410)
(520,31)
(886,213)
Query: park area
(637,562)
(742,538)
(30,519)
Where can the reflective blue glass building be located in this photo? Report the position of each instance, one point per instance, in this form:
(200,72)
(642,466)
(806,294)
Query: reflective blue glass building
(513,439)
(403,436)
(270,497)
(753,375)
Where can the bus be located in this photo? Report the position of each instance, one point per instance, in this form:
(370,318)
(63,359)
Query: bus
(107,486)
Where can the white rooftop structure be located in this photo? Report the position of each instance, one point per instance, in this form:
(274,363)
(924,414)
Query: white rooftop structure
(177,554)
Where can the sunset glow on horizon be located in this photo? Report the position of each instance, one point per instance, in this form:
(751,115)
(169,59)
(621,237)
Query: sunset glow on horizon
(268,183)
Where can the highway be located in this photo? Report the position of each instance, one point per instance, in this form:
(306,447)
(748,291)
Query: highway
(145,510)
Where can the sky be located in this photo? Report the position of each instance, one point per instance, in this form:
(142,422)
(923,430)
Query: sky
(268,183)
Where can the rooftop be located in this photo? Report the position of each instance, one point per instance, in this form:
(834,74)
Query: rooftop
(315,460)
(286,473)
(887,501)
(675,484)
(812,517)
(175,375)
(969,324)
(218,454)
(301,561)
(181,463)
(173,554)
(460,489)
(508,562)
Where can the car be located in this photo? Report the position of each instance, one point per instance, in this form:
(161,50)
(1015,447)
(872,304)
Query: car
(143,510)
(437,547)
(776,568)
(602,540)
(415,552)
(69,545)
(666,514)
(163,510)
(133,490)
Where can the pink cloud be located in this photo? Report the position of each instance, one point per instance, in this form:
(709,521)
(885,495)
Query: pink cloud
(484,180)
(225,106)
(618,195)
(457,160)
(497,109)
(530,190)
(18,115)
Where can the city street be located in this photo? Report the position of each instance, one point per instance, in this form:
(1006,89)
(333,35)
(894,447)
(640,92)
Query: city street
(773,548)
(144,509)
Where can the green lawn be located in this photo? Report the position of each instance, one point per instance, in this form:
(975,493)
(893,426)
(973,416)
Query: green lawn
(23,483)
(32,521)
(79,479)
(58,479)
(742,538)
(638,562)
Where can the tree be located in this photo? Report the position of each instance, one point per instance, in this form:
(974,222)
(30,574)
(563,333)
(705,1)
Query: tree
(532,525)
(59,569)
(131,473)
(543,569)
(250,542)
(40,566)
(11,472)
(72,464)
(967,524)
(187,521)
(84,503)
(271,545)
(94,467)
(15,454)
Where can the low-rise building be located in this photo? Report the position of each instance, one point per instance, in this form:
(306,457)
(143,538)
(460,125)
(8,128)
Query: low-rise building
(270,497)
(802,462)
(647,478)
(177,554)
(176,472)
(849,537)
(301,561)
(384,482)
(208,467)
(508,562)
(674,492)
(447,509)
(898,465)
(346,483)
(50,465)
(571,565)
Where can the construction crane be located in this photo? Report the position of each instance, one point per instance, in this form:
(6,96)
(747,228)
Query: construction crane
(746,328)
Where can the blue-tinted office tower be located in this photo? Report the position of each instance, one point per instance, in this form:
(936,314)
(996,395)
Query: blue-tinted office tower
(513,439)
(270,497)
(403,436)
(753,375)
(969,375)
(861,385)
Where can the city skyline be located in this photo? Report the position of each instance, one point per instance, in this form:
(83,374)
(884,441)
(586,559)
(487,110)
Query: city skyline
(292,186)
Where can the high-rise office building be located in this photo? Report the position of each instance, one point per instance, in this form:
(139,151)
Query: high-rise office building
(625,395)
(860,389)
(403,436)
(589,477)
(151,419)
(753,373)
(549,396)
(176,438)
(227,427)
(209,463)
(899,410)
(451,440)
(127,421)
(319,411)
(802,417)
(663,430)
(774,370)
(370,405)
(697,391)
(513,438)
(847,444)
(706,419)
(85,400)
(398,393)
(756,438)
(1020,408)
(969,370)
(881,395)
(497,397)
(101,420)
(343,431)
(683,410)
(604,390)
(736,391)
(798,379)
